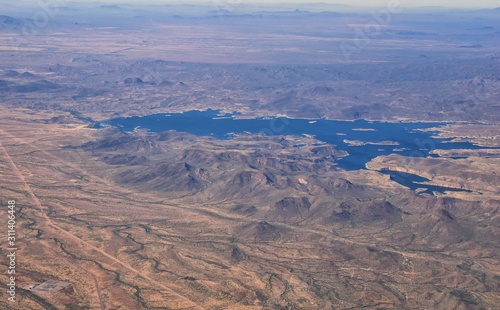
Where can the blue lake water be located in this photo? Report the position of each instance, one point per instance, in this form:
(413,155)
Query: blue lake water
(408,140)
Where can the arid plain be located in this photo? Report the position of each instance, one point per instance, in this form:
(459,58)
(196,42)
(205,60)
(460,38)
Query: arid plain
(169,220)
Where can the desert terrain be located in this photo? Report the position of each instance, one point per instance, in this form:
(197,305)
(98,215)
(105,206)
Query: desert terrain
(170,220)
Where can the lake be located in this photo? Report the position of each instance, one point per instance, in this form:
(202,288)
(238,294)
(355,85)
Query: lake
(363,140)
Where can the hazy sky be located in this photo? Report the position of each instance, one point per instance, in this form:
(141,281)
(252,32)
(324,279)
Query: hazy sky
(365,3)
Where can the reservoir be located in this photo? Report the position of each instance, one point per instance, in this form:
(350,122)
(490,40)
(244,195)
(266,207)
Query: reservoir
(363,140)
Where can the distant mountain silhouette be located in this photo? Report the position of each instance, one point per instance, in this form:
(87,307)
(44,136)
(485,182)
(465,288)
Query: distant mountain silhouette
(42,85)
(8,22)
(16,74)
(110,7)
